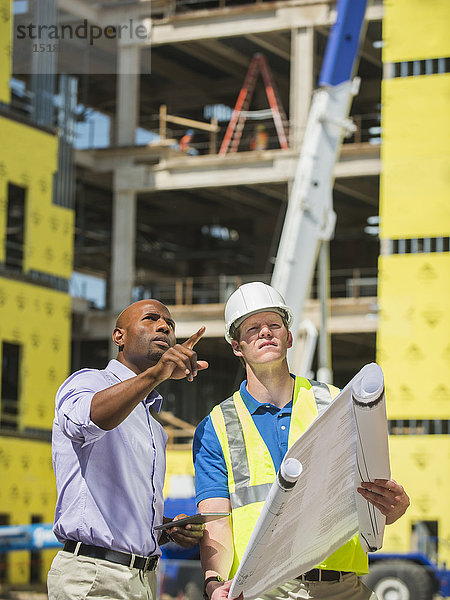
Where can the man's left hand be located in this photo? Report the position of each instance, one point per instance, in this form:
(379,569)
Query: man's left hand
(186,536)
(388,496)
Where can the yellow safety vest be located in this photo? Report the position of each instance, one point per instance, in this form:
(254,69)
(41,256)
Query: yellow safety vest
(251,471)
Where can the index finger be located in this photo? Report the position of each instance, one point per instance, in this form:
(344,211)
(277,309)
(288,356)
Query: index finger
(190,342)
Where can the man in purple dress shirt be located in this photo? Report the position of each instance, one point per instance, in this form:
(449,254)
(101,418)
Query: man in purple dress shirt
(109,460)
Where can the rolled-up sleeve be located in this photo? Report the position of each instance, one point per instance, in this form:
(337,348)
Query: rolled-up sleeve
(73,406)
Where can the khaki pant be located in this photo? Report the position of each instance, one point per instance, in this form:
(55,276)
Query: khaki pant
(348,588)
(79,577)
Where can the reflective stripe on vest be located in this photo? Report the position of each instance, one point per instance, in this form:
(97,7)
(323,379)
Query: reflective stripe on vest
(251,474)
(234,413)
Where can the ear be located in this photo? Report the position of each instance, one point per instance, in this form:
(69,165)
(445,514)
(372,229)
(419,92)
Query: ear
(236,348)
(290,340)
(118,337)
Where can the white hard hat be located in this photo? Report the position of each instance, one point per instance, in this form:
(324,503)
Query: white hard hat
(252,298)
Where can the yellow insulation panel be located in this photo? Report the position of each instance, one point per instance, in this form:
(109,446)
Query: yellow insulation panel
(178,462)
(416,120)
(413,345)
(29,160)
(5,50)
(414,198)
(28,488)
(421,464)
(38,319)
(415,180)
(415,29)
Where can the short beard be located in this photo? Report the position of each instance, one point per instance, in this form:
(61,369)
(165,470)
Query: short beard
(154,355)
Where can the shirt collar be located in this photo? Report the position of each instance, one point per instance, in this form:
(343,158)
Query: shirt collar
(252,404)
(122,372)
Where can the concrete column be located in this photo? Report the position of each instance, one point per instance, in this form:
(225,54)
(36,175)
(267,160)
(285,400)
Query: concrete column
(127,106)
(302,65)
(123,244)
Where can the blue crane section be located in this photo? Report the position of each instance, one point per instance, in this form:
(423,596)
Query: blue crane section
(339,63)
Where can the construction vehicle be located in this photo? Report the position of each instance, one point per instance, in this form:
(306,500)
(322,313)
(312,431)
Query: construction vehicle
(409,576)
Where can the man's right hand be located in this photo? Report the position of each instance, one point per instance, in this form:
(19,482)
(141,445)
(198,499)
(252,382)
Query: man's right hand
(180,361)
(221,591)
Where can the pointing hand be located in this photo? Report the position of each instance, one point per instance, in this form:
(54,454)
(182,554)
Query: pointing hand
(181,360)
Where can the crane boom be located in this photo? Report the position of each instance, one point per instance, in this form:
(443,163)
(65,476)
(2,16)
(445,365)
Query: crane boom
(310,218)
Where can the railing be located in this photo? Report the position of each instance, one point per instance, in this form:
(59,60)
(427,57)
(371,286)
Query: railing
(195,290)
(368,130)
(350,283)
(212,128)
(345,283)
(163,128)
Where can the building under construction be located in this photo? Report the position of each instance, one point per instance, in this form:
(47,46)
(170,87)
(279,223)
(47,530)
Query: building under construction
(173,200)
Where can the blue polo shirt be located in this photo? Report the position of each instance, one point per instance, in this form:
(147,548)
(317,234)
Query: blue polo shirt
(211,477)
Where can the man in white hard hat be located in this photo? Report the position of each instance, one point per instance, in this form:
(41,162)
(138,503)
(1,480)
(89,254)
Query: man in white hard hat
(239,447)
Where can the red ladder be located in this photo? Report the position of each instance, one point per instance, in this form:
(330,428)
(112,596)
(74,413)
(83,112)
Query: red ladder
(233,133)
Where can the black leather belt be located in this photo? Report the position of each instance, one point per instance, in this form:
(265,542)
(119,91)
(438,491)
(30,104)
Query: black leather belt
(322,575)
(121,558)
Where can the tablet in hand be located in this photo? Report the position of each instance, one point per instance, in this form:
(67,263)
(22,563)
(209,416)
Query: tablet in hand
(193,519)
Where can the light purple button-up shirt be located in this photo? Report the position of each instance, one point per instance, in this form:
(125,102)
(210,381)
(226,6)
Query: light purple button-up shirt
(110,483)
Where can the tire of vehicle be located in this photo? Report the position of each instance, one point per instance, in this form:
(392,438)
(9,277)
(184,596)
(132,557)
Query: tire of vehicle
(399,580)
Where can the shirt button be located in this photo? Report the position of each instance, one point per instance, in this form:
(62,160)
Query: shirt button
(283,427)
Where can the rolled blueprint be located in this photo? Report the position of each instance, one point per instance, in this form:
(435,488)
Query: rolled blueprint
(372,451)
(274,505)
(320,513)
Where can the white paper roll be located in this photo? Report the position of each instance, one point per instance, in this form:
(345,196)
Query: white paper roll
(372,451)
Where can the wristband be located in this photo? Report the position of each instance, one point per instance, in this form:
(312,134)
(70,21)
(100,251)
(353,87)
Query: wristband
(214,578)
